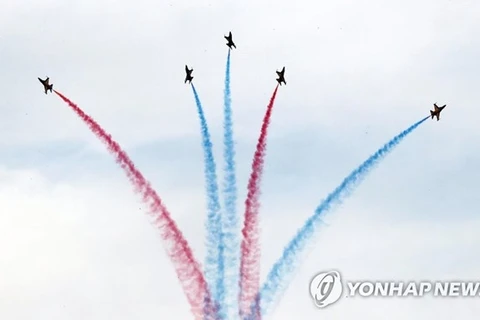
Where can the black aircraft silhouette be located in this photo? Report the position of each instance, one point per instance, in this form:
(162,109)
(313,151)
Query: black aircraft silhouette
(281,77)
(189,76)
(46,85)
(436,111)
(230,41)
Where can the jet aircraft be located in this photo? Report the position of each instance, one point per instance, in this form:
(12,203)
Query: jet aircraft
(189,76)
(436,111)
(46,85)
(281,77)
(230,41)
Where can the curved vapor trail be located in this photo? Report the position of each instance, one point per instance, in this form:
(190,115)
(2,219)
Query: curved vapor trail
(280,274)
(213,224)
(250,247)
(187,268)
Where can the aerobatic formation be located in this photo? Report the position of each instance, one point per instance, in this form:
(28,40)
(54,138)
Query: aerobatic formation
(228,285)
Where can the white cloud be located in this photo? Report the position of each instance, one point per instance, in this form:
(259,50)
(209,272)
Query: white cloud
(75,250)
(76,247)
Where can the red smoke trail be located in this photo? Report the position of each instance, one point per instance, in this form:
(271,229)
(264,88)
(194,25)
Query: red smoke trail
(250,264)
(186,267)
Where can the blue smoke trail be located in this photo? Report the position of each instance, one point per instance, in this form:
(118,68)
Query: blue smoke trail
(213,224)
(276,280)
(230,245)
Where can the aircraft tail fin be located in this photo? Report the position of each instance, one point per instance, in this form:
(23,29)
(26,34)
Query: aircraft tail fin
(432,113)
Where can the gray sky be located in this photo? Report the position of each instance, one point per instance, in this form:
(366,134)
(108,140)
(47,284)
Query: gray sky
(75,241)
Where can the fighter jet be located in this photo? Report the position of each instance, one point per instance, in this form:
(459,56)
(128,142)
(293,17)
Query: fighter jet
(230,41)
(46,85)
(436,111)
(189,76)
(281,77)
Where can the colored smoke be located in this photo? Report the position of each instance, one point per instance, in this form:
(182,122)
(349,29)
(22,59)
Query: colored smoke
(230,245)
(280,275)
(250,247)
(213,224)
(187,268)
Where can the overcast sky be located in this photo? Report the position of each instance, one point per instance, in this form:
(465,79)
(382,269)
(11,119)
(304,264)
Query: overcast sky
(76,242)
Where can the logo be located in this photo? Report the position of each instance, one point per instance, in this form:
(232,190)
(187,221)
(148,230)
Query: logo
(326,288)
